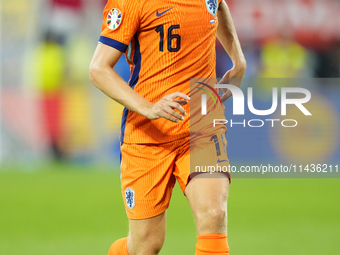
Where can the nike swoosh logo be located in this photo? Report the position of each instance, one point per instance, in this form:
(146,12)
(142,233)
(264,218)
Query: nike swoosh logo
(160,14)
(221,161)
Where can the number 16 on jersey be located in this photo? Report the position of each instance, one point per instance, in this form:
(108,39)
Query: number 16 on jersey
(171,37)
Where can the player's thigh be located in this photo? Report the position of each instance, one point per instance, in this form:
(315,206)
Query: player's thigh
(147,235)
(208,184)
(203,153)
(209,170)
(207,195)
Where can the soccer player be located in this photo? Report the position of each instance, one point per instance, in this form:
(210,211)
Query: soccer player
(166,43)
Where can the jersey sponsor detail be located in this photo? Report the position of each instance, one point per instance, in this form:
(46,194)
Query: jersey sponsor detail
(158,14)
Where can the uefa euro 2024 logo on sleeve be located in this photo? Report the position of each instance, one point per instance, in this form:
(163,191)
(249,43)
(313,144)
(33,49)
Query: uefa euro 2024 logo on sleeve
(130,197)
(212,6)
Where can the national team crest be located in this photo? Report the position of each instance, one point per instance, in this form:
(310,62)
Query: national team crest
(212,6)
(130,197)
(114,18)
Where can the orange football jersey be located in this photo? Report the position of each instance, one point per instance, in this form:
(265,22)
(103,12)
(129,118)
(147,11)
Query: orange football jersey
(166,42)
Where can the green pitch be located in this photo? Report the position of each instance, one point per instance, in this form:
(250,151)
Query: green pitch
(67,210)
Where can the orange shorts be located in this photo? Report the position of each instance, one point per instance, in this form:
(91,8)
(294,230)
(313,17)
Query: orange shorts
(149,171)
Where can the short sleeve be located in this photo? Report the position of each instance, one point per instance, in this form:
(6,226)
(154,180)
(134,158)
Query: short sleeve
(121,19)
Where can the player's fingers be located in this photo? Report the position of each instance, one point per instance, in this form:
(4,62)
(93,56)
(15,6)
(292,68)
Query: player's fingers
(172,96)
(226,95)
(182,102)
(164,115)
(172,112)
(177,106)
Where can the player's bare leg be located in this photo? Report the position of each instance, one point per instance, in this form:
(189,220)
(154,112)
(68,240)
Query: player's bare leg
(147,236)
(208,197)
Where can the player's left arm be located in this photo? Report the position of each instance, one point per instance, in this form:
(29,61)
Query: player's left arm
(226,34)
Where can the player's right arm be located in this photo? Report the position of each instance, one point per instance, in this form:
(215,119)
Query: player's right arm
(114,40)
(107,80)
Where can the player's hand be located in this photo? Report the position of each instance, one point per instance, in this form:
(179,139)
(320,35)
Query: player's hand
(165,108)
(234,77)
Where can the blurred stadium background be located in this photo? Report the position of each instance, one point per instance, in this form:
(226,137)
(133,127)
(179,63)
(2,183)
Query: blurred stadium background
(59,149)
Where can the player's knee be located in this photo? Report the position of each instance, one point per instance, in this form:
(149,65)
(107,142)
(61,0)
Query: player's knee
(216,214)
(211,218)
